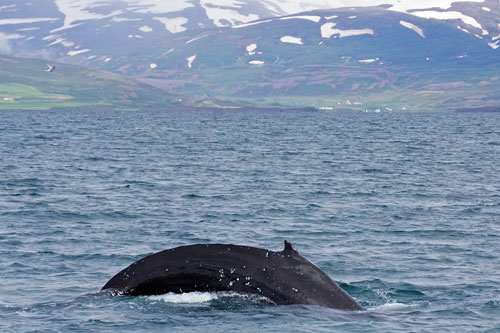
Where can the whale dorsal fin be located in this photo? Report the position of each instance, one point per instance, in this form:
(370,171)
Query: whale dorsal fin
(290,248)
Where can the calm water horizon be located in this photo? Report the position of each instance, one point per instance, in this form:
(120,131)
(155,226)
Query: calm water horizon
(401,209)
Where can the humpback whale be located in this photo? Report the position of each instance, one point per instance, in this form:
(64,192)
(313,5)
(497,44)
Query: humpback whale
(284,277)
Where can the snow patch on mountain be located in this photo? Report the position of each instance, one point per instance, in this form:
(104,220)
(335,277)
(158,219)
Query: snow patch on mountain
(62,41)
(291,40)
(78,10)
(256,62)
(155,6)
(284,7)
(405,6)
(244,25)
(6,36)
(197,38)
(222,16)
(463,29)
(2,8)
(146,28)
(27,20)
(452,15)
(413,27)
(167,52)
(190,60)
(28,29)
(174,25)
(251,49)
(327,31)
(495,45)
(368,61)
(312,18)
(123,19)
(76,52)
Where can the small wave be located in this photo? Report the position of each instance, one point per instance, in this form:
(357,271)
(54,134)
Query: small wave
(198,297)
(393,306)
(186,298)
(192,196)
(372,170)
(491,307)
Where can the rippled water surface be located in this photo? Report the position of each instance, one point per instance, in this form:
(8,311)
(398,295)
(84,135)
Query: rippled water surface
(402,210)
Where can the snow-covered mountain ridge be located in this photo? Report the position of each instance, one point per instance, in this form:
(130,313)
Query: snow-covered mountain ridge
(54,29)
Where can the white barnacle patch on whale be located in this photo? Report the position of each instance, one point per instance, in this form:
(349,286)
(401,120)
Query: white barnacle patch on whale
(186,298)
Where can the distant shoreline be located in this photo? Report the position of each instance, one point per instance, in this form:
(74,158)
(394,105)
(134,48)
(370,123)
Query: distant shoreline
(481,109)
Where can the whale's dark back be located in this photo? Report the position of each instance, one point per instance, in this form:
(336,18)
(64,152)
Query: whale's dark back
(284,277)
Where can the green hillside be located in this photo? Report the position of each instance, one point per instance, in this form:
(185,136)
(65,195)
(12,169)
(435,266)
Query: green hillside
(24,84)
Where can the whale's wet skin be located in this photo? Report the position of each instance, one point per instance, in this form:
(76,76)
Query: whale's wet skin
(284,277)
(400,209)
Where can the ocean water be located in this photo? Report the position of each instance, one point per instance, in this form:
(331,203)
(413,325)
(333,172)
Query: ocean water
(401,209)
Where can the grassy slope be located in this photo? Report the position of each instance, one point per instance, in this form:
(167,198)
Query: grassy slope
(25,85)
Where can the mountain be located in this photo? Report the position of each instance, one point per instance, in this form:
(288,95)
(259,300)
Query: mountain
(102,30)
(399,55)
(24,84)
(370,57)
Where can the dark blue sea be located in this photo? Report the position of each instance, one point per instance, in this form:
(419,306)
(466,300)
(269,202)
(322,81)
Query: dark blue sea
(401,209)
